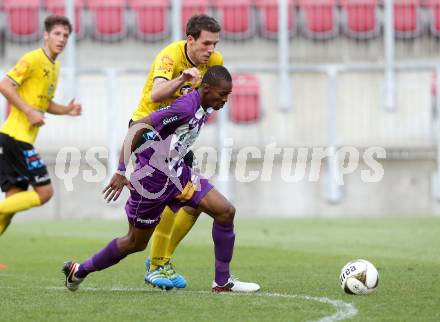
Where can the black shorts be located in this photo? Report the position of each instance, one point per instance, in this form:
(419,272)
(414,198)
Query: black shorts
(188,158)
(20,165)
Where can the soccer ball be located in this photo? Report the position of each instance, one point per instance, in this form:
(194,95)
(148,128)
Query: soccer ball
(359,277)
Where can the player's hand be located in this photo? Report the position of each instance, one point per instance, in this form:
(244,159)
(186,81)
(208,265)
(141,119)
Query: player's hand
(73,108)
(36,118)
(191,75)
(115,187)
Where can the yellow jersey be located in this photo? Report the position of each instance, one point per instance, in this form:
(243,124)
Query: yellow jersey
(169,64)
(36,76)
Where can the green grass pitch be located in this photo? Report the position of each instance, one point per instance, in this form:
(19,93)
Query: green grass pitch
(296,262)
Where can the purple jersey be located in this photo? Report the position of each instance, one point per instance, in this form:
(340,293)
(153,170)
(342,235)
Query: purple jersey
(176,129)
(161,177)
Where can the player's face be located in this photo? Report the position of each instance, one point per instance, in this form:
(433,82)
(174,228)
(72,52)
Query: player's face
(217,96)
(56,39)
(201,49)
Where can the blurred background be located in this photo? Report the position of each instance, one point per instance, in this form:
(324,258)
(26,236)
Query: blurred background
(308,74)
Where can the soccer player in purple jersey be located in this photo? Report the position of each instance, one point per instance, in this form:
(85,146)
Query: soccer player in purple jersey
(161,178)
(177,70)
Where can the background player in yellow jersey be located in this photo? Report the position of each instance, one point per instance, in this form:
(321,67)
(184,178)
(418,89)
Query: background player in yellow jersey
(30,87)
(177,70)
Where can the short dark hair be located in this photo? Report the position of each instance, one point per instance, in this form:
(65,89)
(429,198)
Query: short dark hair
(53,20)
(215,74)
(197,23)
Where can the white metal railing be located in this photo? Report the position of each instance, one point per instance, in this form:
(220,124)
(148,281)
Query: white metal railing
(284,89)
(390,79)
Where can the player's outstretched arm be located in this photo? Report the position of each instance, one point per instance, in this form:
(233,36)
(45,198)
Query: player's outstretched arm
(163,89)
(117,183)
(9,90)
(72,109)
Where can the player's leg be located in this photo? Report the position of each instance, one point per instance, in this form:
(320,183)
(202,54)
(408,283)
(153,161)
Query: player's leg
(223,212)
(159,257)
(135,240)
(186,217)
(160,240)
(169,233)
(173,227)
(5,219)
(18,200)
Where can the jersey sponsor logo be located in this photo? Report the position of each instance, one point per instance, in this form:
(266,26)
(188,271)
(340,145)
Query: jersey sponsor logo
(33,160)
(37,164)
(147,221)
(149,135)
(163,108)
(39,179)
(169,120)
(46,73)
(166,64)
(30,153)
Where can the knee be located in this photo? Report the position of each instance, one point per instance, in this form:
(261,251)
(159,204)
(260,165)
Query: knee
(135,246)
(228,214)
(139,247)
(45,194)
(128,245)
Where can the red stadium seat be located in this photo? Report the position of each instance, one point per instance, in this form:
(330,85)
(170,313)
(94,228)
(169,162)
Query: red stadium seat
(190,8)
(407,22)
(268,12)
(56,7)
(235,17)
(108,19)
(23,19)
(360,18)
(434,12)
(245,99)
(151,18)
(319,18)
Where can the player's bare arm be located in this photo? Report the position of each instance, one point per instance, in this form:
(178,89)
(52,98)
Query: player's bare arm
(9,90)
(117,183)
(163,89)
(72,109)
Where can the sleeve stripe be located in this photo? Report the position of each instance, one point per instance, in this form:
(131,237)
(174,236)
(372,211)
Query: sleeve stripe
(160,77)
(13,80)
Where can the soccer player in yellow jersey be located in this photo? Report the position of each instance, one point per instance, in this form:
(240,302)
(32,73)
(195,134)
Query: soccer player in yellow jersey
(30,87)
(177,70)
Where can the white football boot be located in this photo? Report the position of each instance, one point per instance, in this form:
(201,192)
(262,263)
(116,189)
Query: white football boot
(234,285)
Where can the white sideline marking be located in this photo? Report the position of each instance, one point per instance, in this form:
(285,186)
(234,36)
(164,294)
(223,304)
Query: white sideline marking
(343,310)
